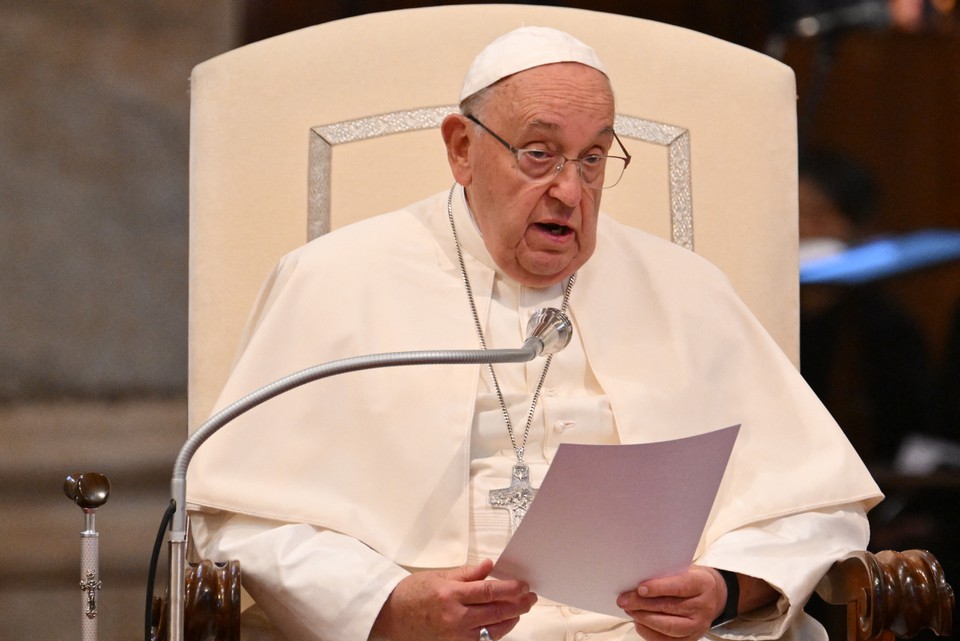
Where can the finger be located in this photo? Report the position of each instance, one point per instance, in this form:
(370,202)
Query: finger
(687,584)
(496,624)
(497,591)
(659,605)
(640,598)
(667,626)
(470,572)
(504,612)
(695,581)
(652,635)
(500,629)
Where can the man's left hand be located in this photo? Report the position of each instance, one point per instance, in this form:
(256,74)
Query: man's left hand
(678,607)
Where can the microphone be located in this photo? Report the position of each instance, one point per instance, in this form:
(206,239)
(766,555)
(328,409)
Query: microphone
(548,331)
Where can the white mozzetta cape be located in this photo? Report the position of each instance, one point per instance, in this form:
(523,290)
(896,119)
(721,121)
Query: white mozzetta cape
(383,455)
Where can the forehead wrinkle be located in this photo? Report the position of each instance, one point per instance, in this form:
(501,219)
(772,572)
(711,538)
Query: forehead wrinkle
(538,124)
(543,101)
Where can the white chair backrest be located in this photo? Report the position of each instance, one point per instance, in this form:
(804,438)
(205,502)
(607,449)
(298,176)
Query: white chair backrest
(320,127)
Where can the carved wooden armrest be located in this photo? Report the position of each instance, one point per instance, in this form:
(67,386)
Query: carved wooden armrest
(890,594)
(212,604)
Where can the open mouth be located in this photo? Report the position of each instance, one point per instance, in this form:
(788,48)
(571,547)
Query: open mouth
(554,229)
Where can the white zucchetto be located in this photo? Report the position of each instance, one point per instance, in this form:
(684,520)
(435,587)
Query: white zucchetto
(525,48)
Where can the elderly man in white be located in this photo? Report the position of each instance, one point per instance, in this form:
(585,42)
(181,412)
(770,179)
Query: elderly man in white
(367,512)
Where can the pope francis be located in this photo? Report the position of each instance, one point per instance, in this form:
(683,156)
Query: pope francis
(366,506)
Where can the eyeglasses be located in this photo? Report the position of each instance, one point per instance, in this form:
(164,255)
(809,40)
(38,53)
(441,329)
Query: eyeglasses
(597,171)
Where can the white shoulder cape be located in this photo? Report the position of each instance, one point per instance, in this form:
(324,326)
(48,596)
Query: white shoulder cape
(383,455)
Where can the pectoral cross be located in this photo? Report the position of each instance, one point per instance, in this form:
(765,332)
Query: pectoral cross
(516,498)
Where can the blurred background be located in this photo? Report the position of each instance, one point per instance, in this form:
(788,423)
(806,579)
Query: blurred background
(94,122)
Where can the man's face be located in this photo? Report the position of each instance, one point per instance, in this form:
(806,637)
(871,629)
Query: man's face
(539,232)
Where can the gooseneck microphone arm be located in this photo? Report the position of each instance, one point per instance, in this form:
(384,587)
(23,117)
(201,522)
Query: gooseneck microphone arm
(549,331)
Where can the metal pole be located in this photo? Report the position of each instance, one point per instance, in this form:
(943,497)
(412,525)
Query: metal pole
(549,331)
(89,491)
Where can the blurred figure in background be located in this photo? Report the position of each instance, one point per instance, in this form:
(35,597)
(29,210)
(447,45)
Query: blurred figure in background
(860,351)
(809,18)
(870,364)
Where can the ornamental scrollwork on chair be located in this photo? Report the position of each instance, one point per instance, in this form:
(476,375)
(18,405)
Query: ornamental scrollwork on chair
(890,594)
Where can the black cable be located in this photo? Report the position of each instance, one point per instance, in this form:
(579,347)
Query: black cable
(152,574)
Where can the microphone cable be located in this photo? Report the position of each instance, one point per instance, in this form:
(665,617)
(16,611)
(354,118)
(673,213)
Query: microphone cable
(152,573)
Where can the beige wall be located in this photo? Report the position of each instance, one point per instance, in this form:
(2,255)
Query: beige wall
(94,109)
(93,190)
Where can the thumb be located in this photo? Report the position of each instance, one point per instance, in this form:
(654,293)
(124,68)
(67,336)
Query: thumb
(471,572)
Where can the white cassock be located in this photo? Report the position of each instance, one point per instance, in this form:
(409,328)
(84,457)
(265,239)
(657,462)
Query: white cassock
(662,349)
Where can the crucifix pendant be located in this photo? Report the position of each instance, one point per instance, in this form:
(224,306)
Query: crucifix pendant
(516,498)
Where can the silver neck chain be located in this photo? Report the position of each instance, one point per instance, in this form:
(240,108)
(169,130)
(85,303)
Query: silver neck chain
(518,449)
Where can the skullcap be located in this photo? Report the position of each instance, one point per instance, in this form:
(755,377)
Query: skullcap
(525,48)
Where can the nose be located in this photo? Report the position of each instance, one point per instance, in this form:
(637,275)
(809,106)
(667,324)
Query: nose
(566,186)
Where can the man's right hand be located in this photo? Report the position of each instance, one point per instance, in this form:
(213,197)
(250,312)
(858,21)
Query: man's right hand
(452,605)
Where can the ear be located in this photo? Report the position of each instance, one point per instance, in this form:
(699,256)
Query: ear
(457,139)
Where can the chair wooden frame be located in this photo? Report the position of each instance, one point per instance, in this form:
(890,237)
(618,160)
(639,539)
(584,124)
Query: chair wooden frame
(886,595)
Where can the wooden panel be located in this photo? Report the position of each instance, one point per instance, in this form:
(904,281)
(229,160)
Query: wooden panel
(739,21)
(891,101)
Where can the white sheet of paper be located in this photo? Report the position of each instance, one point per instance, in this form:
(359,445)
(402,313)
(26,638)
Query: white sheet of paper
(608,517)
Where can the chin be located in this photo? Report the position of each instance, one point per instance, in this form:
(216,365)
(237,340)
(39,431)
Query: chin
(546,279)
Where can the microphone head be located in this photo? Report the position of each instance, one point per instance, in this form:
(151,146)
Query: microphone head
(552,328)
(89,490)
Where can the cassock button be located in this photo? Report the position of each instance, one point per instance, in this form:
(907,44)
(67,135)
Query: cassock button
(563,426)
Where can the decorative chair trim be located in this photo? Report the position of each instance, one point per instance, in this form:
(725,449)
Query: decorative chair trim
(324,137)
